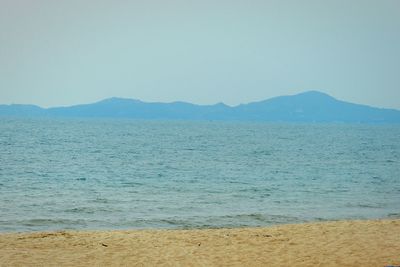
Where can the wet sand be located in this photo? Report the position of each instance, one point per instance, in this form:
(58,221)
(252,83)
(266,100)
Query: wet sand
(342,243)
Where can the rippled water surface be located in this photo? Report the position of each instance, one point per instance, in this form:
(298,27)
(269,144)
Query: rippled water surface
(117,174)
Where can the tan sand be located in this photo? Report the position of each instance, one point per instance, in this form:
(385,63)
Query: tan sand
(345,243)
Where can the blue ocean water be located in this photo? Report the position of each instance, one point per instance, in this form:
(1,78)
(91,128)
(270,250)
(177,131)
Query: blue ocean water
(124,174)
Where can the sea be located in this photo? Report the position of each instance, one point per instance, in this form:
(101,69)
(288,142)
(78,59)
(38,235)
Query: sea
(60,173)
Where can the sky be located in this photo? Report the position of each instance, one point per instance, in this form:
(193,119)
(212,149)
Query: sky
(56,53)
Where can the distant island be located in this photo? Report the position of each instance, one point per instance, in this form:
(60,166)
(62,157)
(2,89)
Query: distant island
(311,106)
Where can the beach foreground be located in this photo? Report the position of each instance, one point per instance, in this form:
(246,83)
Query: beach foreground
(342,243)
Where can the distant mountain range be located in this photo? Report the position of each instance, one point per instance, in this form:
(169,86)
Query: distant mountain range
(311,106)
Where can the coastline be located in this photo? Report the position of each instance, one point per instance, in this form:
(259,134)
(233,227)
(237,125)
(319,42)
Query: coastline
(336,243)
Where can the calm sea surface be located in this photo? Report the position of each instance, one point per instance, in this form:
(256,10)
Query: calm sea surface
(119,174)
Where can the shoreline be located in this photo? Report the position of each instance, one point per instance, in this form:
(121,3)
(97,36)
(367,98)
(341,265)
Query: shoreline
(333,243)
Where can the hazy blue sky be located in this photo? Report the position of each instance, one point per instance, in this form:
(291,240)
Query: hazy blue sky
(77,51)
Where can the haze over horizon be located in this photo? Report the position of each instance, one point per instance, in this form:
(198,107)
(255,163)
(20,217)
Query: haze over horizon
(74,52)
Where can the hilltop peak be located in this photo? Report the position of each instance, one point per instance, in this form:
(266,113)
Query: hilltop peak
(314,93)
(119,100)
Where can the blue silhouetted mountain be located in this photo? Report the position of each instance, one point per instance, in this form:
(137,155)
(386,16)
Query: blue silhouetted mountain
(312,106)
(22,110)
(130,108)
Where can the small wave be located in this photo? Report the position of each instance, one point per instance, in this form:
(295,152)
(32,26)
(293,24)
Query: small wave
(47,222)
(85,210)
(262,152)
(100,200)
(255,190)
(131,184)
(365,205)
(201,222)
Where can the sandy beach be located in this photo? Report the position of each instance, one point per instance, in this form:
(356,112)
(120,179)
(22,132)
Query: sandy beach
(342,243)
